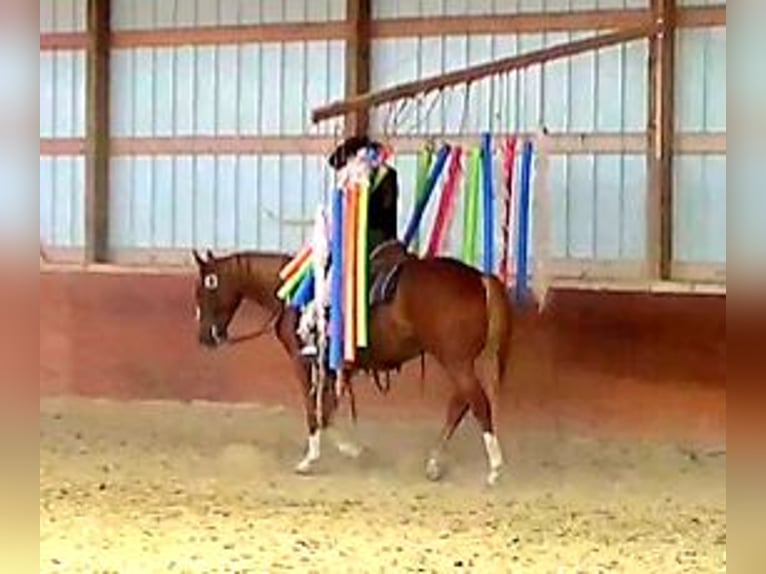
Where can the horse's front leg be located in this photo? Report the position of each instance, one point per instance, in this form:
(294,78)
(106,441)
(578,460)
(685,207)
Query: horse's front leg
(287,334)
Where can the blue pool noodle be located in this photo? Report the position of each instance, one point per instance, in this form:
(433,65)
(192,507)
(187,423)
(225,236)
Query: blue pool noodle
(523,237)
(420,208)
(305,292)
(336,284)
(489,216)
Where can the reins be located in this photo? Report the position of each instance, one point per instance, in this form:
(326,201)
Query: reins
(267,326)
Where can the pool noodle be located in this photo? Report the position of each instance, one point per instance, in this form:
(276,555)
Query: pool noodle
(509,166)
(420,206)
(523,216)
(336,283)
(472,208)
(489,204)
(295,263)
(349,276)
(362,264)
(446,204)
(304,293)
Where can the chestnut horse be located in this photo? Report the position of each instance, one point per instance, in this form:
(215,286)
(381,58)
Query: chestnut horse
(439,307)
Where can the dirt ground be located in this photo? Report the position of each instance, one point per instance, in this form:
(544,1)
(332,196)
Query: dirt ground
(158,487)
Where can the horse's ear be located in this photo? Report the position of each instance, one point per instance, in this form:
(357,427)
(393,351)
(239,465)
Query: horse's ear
(210,256)
(198,258)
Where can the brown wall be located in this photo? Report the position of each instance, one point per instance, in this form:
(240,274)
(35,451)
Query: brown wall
(617,363)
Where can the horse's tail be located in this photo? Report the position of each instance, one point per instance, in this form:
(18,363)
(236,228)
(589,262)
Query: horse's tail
(497,347)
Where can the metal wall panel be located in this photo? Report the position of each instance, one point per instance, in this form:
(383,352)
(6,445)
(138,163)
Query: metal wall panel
(699,215)
(602,92)
(62,115)
(62,94)
(63,15)
(413,8)
(62,201)
(699,208)
(223,202)
(701,2)
(253,89)
(158,14)
(701,80)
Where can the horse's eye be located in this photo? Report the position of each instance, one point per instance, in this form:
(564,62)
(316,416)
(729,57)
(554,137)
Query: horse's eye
(211,282)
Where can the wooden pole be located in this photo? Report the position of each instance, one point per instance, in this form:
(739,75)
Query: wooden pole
(468,75)
(97,133)
(357,64)
(661,134)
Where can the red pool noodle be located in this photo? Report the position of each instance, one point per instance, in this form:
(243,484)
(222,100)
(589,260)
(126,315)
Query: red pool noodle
(446,204)
(508,169)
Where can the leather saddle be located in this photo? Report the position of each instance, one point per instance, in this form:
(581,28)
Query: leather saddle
(386,262)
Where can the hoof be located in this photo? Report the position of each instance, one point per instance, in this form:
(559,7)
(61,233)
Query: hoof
(434,471)
(493,477)
(304,467)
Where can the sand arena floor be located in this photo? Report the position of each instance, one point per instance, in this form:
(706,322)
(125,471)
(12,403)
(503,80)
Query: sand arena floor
(151,487)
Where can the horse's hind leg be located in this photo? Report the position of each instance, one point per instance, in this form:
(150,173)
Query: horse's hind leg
(456,410)
(482,411)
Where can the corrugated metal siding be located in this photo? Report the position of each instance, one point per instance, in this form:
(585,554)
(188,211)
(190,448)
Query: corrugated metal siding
(156,14)
(701,80)
(414,8)
(62,201)
(63,15)
(62,94)
(226,202)
(62,115)
(253,89)
(598,92)
(249,90)
(700,181)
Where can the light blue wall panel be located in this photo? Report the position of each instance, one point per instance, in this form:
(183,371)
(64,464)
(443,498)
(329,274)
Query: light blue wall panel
(699,211)
(62,94)
(62,15)
(384,9)
(222,202)
(701,80)
(598,207)
(254,89)
(62,201)
(701,2)
(602,91)
(158,14)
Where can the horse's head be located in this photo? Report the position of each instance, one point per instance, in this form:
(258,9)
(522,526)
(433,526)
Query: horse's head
(217,296)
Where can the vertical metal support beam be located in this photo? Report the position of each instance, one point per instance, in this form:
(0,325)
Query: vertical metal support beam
(357,63)
(661,134)
(97,133)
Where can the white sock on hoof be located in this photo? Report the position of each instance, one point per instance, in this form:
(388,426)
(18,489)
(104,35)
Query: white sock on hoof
(313,451)
(312,454)
(494,454)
